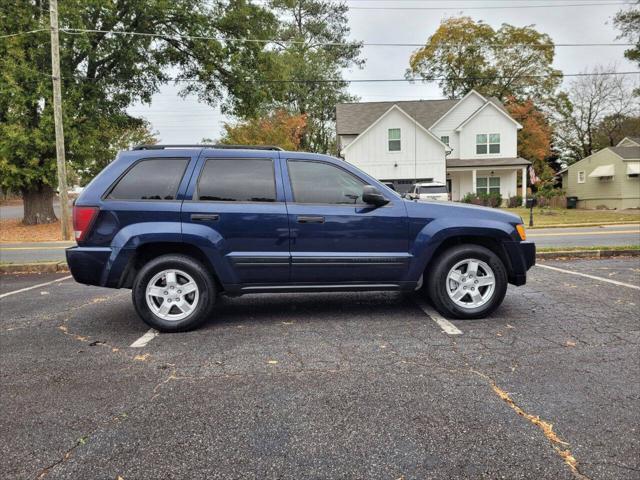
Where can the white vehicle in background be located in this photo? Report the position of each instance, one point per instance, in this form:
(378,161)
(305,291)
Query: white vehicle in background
(429,191)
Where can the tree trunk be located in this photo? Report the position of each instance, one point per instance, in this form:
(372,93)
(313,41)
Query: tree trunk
(38,205)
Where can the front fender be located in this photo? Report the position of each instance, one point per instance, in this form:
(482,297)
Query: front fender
(432,235)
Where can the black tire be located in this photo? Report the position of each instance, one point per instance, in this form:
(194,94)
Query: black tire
(201,276)
(436,281)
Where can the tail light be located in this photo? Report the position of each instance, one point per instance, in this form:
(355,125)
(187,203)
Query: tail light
(83,218)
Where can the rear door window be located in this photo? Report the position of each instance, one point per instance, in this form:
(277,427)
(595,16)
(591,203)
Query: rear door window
(237,180)
(151,179)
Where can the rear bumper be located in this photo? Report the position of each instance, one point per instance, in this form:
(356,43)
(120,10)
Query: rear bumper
(101,266)
(522,256)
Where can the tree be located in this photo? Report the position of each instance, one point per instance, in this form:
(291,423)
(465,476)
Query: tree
(306,26)
(581,110)
(534,139)
(628,22)
(464,54)
(111,140)
(104,73)
(280,129)
(613,128)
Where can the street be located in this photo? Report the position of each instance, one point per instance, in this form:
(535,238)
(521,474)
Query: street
(13,211)
(605,236)
(358,385)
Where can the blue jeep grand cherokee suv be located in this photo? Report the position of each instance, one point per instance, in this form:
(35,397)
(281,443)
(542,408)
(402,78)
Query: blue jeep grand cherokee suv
(180,225)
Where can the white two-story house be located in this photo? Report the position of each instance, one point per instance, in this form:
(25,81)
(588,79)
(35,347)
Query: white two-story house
(470,144)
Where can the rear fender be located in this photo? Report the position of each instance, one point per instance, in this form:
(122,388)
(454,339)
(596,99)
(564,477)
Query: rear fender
(136,234)
(129,239)
(133,238)
(213,245)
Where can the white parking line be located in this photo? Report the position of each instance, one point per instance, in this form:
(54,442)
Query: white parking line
(35,286)
(444,324)
(593,277)
(144,339)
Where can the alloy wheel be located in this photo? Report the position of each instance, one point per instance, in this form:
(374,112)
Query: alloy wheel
(172,295)
(470,283)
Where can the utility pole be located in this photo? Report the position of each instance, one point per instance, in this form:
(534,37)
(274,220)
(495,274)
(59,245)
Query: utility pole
(57,118)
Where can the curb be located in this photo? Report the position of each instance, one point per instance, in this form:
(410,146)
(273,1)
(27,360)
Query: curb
(579,225)
(588,254)
(43,267)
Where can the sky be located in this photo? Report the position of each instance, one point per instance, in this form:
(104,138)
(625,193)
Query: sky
(178,120)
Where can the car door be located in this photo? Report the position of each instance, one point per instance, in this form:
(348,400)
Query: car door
(236,211)
(335,237)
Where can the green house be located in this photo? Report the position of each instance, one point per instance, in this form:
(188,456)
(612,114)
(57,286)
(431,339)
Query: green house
(609,178)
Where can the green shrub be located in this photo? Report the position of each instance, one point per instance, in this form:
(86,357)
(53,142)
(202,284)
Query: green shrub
(493,200)
(471,198)
(515,201)
(486,200)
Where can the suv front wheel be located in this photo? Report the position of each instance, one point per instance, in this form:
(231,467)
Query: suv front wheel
(467,281)
(173,293)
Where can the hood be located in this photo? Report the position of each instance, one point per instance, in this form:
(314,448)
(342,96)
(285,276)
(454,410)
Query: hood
(460,210)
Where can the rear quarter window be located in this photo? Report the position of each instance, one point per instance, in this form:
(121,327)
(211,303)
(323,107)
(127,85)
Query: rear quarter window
(150,179)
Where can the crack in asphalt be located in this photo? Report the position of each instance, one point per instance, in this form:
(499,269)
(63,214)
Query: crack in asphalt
(346,361)
(111,421)
(546,427)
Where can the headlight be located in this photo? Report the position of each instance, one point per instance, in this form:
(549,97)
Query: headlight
(521,231)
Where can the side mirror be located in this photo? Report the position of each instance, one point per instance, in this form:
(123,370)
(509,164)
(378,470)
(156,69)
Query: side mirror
(372,195)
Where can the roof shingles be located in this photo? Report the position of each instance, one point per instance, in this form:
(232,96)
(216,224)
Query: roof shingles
(628,153)
(355,118)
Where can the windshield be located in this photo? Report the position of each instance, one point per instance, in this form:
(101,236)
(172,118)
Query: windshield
(434,189)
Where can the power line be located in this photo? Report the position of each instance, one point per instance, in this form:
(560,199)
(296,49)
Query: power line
(24,33)
(492,7)
(483,1)
(374,80)
(391,80)
(78,31)
(356,80)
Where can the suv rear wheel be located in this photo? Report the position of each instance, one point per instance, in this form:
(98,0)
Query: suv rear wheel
(467,281)
(173,293)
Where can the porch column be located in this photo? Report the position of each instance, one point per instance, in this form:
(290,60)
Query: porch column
(473,181)
(524,186)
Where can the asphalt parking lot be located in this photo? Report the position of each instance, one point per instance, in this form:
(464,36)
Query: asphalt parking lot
(364,385)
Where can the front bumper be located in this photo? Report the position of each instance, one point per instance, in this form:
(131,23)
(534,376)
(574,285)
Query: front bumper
(522,256)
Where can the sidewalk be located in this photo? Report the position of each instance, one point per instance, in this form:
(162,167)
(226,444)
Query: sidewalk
(33,252)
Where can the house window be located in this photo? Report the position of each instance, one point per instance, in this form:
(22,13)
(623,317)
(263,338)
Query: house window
(445,139)
(487,143)
(581,177)
(394,140)
(488,185)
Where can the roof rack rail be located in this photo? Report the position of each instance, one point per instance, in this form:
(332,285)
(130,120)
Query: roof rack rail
(206,145)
